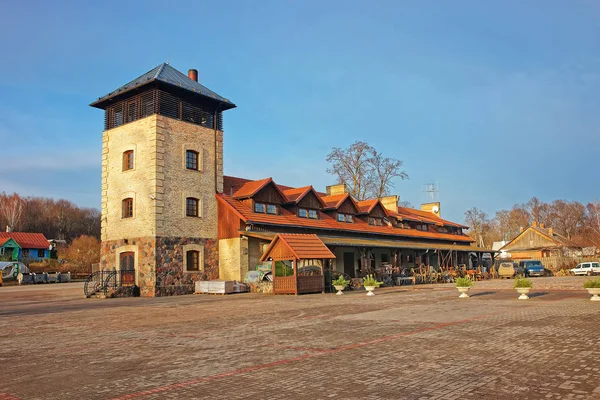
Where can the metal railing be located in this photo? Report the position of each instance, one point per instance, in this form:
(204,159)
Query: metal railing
(103,282)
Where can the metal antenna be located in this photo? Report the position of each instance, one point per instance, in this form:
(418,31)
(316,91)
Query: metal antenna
(431,190)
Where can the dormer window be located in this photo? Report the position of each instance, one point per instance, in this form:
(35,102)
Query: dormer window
(375,221)
(345,218)
(265,208)
(306,213)
(421,227)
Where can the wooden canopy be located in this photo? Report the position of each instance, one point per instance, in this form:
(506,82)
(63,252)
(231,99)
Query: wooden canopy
(295,246)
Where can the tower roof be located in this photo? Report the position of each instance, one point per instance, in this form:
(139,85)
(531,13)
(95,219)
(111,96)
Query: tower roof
(163,74)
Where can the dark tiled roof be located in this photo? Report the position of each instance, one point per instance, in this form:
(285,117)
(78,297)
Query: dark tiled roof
(166,74)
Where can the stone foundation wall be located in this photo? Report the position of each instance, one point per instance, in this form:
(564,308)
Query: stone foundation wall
(160,268)
(171,278)
(145,260)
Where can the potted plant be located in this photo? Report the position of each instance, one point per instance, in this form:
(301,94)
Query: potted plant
(593,288)
(523,286)
(463,285)
(370,283)
(340,284)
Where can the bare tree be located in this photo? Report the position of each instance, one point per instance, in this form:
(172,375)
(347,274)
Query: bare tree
(11,208)
(364,170)
(476,220)
(385,170)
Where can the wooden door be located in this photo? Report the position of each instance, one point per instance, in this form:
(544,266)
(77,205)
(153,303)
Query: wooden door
(127,263)
(349,264)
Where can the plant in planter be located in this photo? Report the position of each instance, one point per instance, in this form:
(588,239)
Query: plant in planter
(523,286)
(593,288)
(370,283)
(463,285)
(340,284)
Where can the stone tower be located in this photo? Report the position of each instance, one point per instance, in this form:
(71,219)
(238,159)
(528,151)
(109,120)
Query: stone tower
(162,164)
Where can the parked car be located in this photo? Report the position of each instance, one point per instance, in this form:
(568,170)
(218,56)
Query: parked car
(10,269)
(532,267)
(509,269)
(586,268)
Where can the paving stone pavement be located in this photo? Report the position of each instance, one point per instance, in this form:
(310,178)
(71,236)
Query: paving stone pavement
(403,343)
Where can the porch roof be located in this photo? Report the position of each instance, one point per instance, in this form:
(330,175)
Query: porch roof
(299,246)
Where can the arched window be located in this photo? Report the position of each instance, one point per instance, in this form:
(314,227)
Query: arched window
(191,207)
(127,160)
(191,159)
(192,260)
(127,208)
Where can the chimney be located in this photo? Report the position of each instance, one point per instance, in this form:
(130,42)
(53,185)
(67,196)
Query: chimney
(542,226)
(520,229)
(193,75)
(390,203)
(551,231)
(534,224)
(340,188)
(8,228)
(433,208)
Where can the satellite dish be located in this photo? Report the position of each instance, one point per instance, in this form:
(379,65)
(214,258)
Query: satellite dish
(435,209)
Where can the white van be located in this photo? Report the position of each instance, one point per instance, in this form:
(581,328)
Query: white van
(586,268)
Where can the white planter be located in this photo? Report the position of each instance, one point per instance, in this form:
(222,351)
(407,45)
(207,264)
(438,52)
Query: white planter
(339,289)
(523,292)
(463,291)
(594,292)
(370,290)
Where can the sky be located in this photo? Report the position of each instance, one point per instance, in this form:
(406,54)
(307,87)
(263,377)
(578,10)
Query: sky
(495,102)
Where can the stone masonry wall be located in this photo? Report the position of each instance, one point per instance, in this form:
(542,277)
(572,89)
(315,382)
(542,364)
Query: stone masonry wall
(171,278)
(175,182)
(138,183)
(160,269)
(145,260)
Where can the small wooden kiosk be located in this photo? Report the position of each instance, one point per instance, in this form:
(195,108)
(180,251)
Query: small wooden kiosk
(297,263)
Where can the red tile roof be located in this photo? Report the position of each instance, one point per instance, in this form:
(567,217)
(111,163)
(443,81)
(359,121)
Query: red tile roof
(301,246)
(3,240)
(250,188)
(296,194)
(326,222)
(333,202)
(27,240)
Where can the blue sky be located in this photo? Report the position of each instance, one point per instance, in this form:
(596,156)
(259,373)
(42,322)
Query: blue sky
(495,101)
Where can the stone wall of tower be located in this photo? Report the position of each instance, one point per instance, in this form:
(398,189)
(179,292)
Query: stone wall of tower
(159,184)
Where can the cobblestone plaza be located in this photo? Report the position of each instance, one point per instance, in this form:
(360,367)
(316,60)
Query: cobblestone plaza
(403,343)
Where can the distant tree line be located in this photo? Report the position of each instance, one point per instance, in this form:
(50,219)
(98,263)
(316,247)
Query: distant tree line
(570,219)
(56,219)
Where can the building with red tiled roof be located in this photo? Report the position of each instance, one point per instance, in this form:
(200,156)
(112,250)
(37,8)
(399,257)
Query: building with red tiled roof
(30,246)
(363,235)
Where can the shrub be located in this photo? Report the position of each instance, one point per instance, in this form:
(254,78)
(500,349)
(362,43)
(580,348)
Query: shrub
(369,280)
(464,282)
(340,281)
(523,283)
(591,283)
